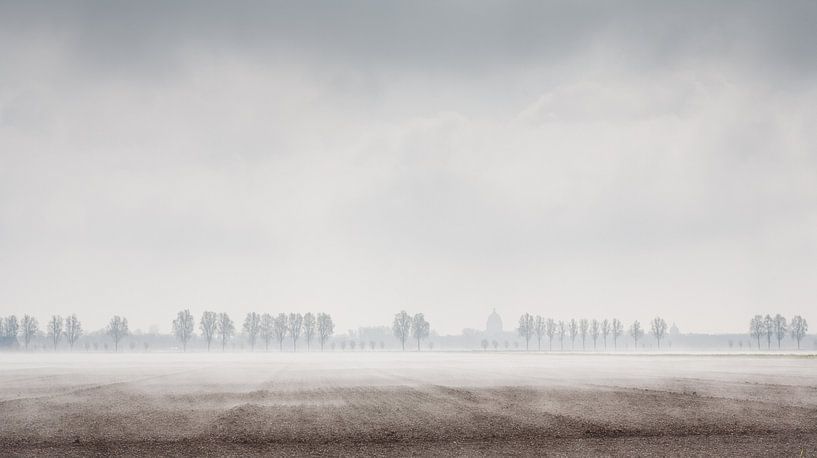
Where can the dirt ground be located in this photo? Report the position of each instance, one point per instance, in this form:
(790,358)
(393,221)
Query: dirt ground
(393,403)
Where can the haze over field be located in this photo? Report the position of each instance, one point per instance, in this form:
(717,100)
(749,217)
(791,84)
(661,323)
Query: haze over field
(400,404)
(625,159)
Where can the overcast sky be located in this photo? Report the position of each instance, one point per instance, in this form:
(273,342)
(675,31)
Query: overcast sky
(570,159)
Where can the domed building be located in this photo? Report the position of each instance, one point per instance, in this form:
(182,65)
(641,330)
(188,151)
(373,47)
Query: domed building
(494,324)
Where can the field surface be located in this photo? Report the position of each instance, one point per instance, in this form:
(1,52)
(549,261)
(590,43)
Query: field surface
(392,403)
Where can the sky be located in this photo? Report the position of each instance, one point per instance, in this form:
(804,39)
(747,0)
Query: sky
(569,159)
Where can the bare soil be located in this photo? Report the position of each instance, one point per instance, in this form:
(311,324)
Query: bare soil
(407,404)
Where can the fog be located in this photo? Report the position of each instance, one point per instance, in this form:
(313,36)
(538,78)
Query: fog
(407,403)
(560,158)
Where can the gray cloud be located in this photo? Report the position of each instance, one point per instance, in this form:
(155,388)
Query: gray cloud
(630,158)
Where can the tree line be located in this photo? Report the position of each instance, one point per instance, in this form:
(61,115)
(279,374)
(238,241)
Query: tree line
(219,328)
(776,327)
(598,331)
(28,327)
(257,327)
(214,327)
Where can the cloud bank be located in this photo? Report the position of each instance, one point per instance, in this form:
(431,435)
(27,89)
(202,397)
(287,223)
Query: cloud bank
(563,158)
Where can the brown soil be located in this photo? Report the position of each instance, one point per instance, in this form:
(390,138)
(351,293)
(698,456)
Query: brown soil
(413,405)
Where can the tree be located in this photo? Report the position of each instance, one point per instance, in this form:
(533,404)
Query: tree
(309,330)
(267,329)
(11,329)
(495,344)
(55,330)
(550,331)
(402,327)
(768,330)
(539,329)
(419,328)
(279,329)
(225,329)
(183,327)
(73,330)
(207,326)
(29,328)
(296,322)
(584,326)
(605,331)
(252,326)
(780,328)
(799,328)
(562,334)
(325,328)
(526,326)
(756,328)
(636,333)
(658,327)
(117,329)
(573,327)
(484,344)
(594,332)
(617,329)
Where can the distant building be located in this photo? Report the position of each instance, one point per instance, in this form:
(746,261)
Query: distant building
(494,324)
(673,330)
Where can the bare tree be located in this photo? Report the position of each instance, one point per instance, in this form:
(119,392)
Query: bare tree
(325,328)
(768,330)
(495,344)
(584,326)
(372,345)
(605,331)
(402,327)
(252,326)
(594,331)
(539,330)
(29,328)
(616,330)
(799,328)
(658,327)
(267,329)
(55,330)
(526,326)
(11,328)
(636,333)
(117,329)
(309,330)
(183,327)
(756,328)
(280,329)
(780,328)
(296,322)
(484,344)
(207,325)
(419,328)
(225,329)
(352,344)
(573,327)
(562,333)
(550,330)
